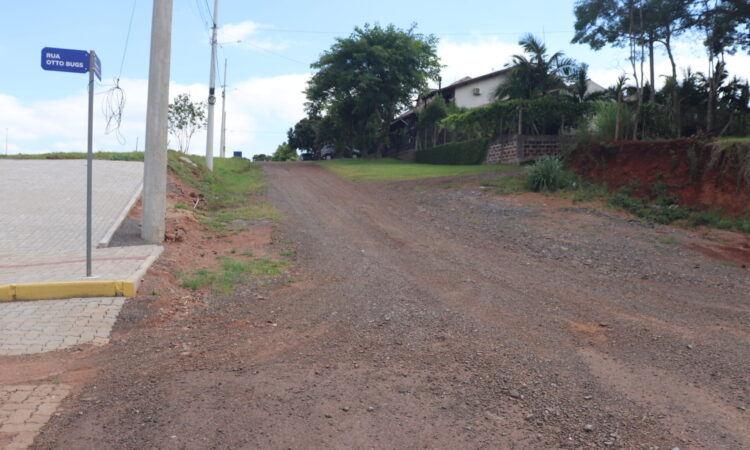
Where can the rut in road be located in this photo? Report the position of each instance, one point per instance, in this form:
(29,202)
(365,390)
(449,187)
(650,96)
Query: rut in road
(474,327)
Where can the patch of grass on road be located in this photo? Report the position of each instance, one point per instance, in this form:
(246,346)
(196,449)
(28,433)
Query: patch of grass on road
(232,273)
(390,169)
(112,156)
(504,185)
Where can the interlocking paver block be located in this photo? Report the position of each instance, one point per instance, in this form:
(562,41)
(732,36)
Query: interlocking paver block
(21,421)
(56,190)
(56,324)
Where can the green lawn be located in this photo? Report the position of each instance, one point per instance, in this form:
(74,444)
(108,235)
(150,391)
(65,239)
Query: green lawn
(735,140)
(390,169)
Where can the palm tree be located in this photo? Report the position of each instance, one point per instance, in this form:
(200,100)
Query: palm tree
(534,74)
(617,92)
(579,88)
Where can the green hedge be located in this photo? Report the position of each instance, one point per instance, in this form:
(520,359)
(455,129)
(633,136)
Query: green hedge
(456,153)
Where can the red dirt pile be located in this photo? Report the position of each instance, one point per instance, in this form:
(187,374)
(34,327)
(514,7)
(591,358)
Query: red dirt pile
(708,176)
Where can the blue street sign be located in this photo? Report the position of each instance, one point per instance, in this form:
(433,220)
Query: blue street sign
(97,67)
(64,60)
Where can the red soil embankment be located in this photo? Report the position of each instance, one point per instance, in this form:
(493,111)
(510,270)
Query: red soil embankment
(683,167)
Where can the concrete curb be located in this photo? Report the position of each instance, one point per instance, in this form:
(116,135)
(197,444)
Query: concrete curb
(82,288)
(67,289)
(104,242)
(143,268)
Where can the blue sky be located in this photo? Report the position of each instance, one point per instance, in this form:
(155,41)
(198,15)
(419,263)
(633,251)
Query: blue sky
(46,111)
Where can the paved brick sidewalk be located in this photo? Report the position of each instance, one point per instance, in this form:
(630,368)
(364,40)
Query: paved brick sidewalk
(24,409)
(116,263)
(47,325)
(42,239)
(44,202)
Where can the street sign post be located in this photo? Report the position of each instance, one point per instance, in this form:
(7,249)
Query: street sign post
(65,60)
(79,61)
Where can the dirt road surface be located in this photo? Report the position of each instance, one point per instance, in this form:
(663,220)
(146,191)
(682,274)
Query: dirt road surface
(426,317)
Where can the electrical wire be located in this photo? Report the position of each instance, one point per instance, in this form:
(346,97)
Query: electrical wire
(127,39)
(460,33)
(202,15)
(210,14)
(114,98)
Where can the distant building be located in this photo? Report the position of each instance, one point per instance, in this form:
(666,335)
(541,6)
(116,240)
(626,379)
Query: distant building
(467,92)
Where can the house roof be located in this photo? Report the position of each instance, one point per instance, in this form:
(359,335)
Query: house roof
(468,80)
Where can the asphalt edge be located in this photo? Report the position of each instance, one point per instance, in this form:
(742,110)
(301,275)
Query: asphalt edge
(104,242)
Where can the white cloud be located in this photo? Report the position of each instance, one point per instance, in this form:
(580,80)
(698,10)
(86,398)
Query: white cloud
(244,35)
(255,107)
(234,32)
(473,58)
(686,54)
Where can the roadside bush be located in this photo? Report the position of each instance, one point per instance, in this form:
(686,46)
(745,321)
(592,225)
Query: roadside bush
(662,210)
(547,175)
(603,122)
(456,153)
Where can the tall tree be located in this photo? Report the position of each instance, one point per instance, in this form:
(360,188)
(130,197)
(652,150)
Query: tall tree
(304,134)
(367,78)
(638,24)
(724,25)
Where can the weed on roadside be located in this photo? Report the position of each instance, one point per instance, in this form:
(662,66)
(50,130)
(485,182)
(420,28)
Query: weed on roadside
(233,272)
(509,184)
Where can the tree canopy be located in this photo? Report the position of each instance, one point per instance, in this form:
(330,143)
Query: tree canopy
(364,80)
(284,153)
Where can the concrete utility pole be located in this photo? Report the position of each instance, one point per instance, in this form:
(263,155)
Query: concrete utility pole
(155,157)
(223,145)
(211,93)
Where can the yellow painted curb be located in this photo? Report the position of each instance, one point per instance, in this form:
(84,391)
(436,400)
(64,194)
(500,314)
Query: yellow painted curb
(66,289)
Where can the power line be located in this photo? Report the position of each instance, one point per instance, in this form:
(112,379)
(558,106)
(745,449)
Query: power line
(201,15)
(257,47)
(208,8)
(127,39)
(446,33)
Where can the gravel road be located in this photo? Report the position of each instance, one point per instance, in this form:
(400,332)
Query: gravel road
(434,317)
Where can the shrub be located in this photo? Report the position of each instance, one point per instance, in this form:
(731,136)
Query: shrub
(455,153)
(605,118)
(547,174)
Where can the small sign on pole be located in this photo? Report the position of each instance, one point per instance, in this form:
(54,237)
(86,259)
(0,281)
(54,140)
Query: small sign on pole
(65,60)
(79,61)
(97,66)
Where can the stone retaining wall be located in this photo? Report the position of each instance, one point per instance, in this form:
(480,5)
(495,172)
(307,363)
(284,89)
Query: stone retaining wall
(517,149)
